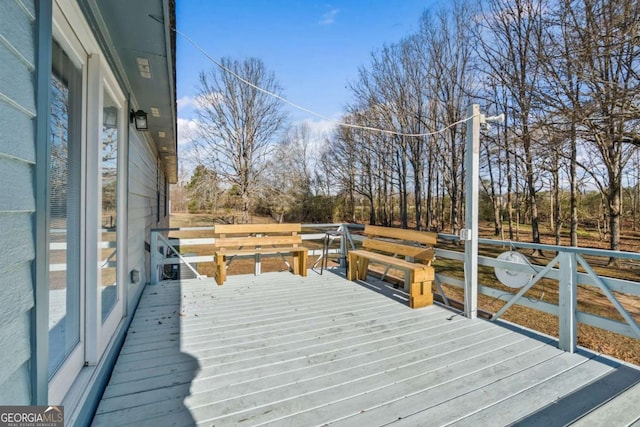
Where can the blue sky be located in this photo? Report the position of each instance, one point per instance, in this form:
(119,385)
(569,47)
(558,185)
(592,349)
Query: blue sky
(314,48)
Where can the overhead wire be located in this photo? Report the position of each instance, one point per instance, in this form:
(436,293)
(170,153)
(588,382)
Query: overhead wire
(309,111)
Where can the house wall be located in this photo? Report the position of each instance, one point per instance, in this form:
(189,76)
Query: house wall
(17,200)
(145,180)
(23,376)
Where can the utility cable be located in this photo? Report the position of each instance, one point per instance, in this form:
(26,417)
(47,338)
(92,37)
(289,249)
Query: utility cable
(306,110)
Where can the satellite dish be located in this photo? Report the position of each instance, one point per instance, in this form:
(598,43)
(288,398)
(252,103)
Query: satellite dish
(510,278)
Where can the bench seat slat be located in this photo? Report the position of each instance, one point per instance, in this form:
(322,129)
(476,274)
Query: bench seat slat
(278,250)
(421,272)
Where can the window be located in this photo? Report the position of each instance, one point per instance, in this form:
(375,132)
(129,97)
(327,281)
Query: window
(64,208)
(107,246)
(86,217)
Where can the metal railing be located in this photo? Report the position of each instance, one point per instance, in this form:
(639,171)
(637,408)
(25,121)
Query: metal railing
(167,250)
(568,269)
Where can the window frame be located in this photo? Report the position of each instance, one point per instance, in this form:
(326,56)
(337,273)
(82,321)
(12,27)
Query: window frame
(63,378)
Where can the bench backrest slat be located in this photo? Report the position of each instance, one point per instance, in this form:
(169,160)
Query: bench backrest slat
(417,252)
(424,237)
(257,228)
(417,245)
(253,235)
(252,242)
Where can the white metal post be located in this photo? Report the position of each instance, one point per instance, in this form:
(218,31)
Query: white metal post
(155,258)
(472,172)
(568,283)
(343,244)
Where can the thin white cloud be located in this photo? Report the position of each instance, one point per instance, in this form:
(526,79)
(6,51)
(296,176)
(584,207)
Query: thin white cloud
(320,130)
(187,131)
(208,99)
(320,127)
(189,103)
(186,101)
(329,17)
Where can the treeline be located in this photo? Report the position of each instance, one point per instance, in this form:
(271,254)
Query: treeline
(314,203)
(565,72)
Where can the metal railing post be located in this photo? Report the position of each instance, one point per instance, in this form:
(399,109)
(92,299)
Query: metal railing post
(344,229)
(155,258)
(568,301)
(472,187)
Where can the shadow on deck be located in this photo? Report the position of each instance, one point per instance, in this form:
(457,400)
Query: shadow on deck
(285,350)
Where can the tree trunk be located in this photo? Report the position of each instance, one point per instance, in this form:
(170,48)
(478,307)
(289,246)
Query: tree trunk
(573,181)
(372,210)
(402,186)
(615,202)
(429,193)
(509,194)
(245,206)
(557,225)
(531,187)
(417,194)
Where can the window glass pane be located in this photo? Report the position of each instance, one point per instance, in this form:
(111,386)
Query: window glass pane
(109,185)
(64,204)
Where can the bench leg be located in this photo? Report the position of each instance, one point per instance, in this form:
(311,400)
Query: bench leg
(352,270)
(303,263)
(409,278)
(295,265)
(221,272)
(363,266)
(357,268)
(420,294)
(299,263)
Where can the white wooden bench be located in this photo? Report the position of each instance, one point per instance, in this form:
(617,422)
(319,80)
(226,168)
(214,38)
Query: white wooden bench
(256,239)
(407,251)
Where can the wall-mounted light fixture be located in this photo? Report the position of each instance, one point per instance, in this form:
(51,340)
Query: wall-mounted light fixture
(140,117)
(134,276)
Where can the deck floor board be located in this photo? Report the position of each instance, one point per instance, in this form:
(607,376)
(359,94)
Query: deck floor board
(279,349)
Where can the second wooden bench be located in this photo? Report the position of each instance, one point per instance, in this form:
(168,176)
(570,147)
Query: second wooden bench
(255,239)
(408,251)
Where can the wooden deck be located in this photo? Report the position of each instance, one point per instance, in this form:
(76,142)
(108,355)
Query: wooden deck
(286,350)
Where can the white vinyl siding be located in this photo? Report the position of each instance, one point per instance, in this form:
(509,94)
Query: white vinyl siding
(143,179)
(17,200)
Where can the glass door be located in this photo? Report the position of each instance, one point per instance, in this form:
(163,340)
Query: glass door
(108,244)
(86,213)
(66,308)
(111,269)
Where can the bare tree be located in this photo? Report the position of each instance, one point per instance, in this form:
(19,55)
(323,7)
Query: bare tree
(238,123)
(344,155)
(610,58)
(559,95)
(203,190)
(512,32)
(287,179)
(450,48)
